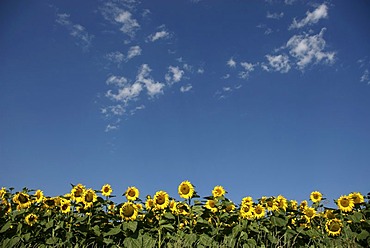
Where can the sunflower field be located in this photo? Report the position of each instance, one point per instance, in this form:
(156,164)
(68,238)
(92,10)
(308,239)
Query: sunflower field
(85,217)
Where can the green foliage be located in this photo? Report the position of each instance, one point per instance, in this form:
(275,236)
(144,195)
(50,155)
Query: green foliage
(214,221)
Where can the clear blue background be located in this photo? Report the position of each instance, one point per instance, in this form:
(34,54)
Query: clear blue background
(270,133)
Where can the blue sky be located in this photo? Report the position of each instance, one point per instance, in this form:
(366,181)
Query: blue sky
(261,97)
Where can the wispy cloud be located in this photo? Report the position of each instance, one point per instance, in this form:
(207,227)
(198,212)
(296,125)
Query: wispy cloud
(117,81)
(163,34)
(115,57)
(153,88)
(276,16)
(186,88)
(174,75)
(82,37)
(115,14)
(308,49)
(248,68)
(311,17)
(133,52)
(278,63)
(231,62)
(365,77)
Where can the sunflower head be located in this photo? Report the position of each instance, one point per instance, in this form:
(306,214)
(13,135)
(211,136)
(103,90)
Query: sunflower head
(77,192)
(345,203)
(149,204)
(316,196)
(186,190)
(49,202)
(161,200)
(293,204)
(128,211)
(259,211)
(309,212)
(39,195)
(246,212)
(31,219)
(106,190)
(247,201)
(89,197)
(357,197)
(132,193)
(303,205)
(211,205)
(218,191)
(65,206)
(282,202)
(333,227)
(22,199)
(329,214)
(2,192)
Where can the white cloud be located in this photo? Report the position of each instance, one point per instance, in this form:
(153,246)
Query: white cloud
(200,71)
(311,17)
(159,35)
(110,127)
(82,37)
(133,52)
(153,88)
(365,77)
(126,93)
(129,24)
(186,88)
(174,75)
(231,63)
(248,67)
(277,63)
(308,49)
(115,57)
(116,80)
(289,2)
(274,15)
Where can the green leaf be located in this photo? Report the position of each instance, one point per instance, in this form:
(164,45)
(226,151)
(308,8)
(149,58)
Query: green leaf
(363,235)
(132,226)
(148,241)
(189,239)
(5,227)
(168,227)
(277,221)
(14,241)
(355,217)
(205,240)
(96,230)
(113,231)
(26,236)
(169,216)
(131,243)
(52,240)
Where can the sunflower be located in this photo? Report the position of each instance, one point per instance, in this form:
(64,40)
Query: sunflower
(77,192)
(49,202)
(259,211)
(106,190)
(7,206)
(271,204)
(149,204)
(293,204)
(309,212)
(132,193)
(2,192)
(186,190)
(65,206)
(161,200)
(246,212)
(316,196)
(345,203)
(128,211)
(329,214)
(31,219)
(22,199)
(230,207)
(89,197)
(357,197)
(281,202)
(247,201)
(333,227)
(218,191)
(39,195)
(211,205)
(303,205)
